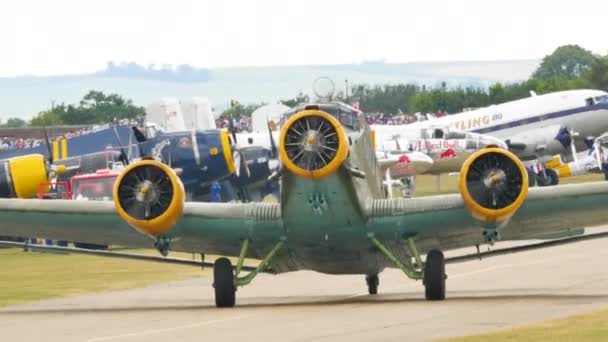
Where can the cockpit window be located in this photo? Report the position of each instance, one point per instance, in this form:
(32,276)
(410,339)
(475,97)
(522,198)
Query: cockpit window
(589,101)
(348,118)
(601,99)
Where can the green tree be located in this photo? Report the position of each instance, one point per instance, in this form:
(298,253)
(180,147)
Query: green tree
(14,123)
(568,61)
(300,98)
(94,108)
(49,117)
(238,110)
(597,76)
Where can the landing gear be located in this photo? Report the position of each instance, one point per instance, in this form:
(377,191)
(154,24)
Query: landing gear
(550,177)
(432,272)
(434,275)
(372,283)
(223,283)
(226,281)
(531,178)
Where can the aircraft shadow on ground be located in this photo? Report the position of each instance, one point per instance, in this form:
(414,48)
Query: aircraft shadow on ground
(320,301)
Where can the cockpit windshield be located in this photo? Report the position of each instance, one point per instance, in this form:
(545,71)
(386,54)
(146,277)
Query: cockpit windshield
(347,116)
(601,99)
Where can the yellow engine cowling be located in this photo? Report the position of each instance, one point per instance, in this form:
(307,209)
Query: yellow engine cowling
(493,185)
(555,162)
(149,196)
(23,176)
(312,144)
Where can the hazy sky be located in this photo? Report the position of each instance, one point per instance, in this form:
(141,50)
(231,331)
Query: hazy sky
(61,36)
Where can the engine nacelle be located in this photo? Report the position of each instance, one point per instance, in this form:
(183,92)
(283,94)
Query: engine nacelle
(21,176)
(149,196)
(493,184)
(312,144)
(550,140)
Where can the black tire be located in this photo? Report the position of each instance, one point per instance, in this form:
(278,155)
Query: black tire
(531,178)
(223,283)
(434,275)
(372,283)
(553,177)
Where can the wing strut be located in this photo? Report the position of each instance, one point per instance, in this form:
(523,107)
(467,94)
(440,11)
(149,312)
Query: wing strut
(112,254)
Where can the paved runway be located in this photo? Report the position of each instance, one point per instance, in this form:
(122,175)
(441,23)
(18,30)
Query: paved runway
(306,306)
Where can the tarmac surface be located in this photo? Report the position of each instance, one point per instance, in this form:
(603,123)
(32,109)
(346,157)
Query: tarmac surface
(496,293)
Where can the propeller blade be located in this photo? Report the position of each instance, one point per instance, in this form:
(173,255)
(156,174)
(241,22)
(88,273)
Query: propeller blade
(237,161)
(47,142)
(273,145)
(232,130)
(123,154)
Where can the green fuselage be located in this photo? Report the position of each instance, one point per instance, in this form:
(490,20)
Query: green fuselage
(325,219)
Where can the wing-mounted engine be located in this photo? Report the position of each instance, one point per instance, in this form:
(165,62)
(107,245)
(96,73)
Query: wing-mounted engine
(493,185)
(312,144)
(149,196)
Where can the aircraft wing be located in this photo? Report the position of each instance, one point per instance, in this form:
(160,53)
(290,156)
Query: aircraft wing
(215,228)
(444,221)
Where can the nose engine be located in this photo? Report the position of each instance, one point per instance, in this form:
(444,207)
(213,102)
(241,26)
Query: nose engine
(149,196)
(312,144)
(493,184)
(24,176)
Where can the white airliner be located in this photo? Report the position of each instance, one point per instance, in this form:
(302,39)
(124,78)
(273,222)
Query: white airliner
(534,128)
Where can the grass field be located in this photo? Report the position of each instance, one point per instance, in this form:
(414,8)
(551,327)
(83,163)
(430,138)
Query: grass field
(28,276)
(592,327)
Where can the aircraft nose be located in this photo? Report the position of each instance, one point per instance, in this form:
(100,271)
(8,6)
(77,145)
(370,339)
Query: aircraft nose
(312,144)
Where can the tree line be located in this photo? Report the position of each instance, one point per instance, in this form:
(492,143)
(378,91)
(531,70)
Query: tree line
(568,67)
(95,107)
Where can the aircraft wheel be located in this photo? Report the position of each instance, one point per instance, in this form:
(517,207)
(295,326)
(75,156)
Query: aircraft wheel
(372,283)
(223,283)
(553,177)
(531,178)
(434,275)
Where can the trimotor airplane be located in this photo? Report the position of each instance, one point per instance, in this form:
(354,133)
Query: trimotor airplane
(332,216)
(534,128)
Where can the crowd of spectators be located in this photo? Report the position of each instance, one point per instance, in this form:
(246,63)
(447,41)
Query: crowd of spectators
(373,118)
(240,125)
(376,118)
(14,143)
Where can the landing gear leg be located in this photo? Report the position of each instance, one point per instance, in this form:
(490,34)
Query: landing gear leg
(434,275)
(372,283)
(432,272)
(226,282)
(547,177)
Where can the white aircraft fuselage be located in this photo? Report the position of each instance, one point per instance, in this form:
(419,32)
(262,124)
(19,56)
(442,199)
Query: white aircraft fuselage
(535,120)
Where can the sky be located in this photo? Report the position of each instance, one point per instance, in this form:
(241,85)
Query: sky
(70,37)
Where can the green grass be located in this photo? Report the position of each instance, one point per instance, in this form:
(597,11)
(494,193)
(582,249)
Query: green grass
(583,328)
(30,276)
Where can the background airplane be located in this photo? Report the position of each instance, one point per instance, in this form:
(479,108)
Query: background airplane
(202,157)
(535,128)
(332,217)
